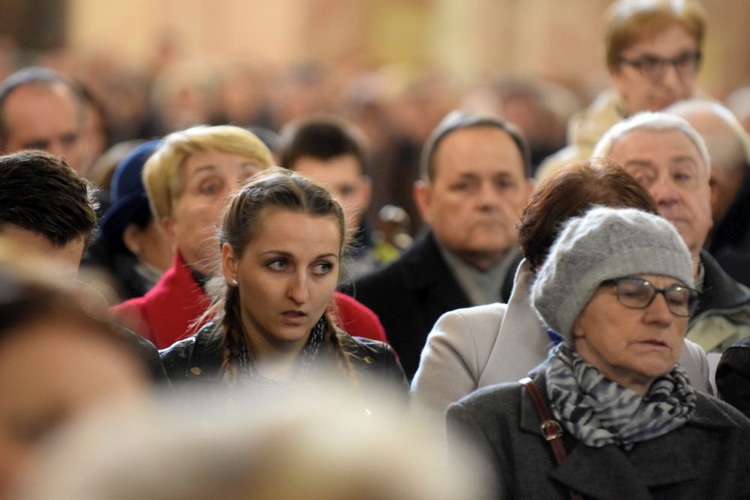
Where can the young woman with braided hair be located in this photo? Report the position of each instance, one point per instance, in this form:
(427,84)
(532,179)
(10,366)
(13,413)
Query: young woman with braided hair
(282,238)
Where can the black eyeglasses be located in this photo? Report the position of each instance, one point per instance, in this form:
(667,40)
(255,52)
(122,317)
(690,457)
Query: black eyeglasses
(638,293)
(654,67)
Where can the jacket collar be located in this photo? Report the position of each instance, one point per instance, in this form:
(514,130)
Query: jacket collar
(720,291)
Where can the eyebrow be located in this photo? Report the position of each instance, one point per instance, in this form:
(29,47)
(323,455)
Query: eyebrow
(281,253)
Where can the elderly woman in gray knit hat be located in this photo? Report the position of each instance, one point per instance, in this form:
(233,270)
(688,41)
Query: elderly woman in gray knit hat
(610,414)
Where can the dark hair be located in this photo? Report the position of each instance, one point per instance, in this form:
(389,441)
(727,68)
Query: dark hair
(275,188)
(35,75)
(460,120)
(322,138)
(569,193)
(39,192)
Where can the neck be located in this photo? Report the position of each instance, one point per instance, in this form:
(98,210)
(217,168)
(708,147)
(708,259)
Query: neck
(482,260)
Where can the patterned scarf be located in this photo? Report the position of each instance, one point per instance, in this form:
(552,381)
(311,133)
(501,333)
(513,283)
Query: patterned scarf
(598,411)
(248,372)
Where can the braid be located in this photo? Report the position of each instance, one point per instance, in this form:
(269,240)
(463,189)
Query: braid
(332,336)
(231,325)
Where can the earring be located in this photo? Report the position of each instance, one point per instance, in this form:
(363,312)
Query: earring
(234,282)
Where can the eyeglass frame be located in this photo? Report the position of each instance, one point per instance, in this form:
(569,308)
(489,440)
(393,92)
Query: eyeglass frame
(693,294)
(661,64)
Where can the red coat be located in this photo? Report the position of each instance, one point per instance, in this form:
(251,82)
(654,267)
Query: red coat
(165,313)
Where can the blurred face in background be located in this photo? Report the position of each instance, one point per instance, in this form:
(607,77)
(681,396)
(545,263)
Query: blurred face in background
(476,196)
(657,71)
(53,370)
(209,178)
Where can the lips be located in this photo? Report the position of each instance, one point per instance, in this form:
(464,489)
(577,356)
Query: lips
(294,317)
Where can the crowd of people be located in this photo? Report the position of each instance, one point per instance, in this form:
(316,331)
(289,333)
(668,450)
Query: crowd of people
(421,298)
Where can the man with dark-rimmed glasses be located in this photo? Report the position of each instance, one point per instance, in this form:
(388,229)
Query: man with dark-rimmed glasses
(653,54)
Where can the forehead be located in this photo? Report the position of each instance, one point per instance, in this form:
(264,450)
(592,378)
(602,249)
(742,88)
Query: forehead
(477,148)
(282,229)
(214,160)
(666,42)
(342,168)
(655,147)
(33,109)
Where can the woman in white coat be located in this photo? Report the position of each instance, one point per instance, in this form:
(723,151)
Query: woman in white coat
(485,345)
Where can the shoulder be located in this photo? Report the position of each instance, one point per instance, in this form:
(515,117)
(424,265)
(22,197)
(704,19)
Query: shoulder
(372,357)
(733,376)
(470,326)
(197,356)
(713,413)
(357,319)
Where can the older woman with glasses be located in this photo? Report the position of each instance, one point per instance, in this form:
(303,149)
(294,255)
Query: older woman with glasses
(617,288)
(653,54)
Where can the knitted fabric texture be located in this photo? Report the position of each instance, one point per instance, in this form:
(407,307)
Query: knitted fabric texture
(605,243)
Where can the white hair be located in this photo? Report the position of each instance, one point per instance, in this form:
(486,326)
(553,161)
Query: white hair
(697,106)
(652,120)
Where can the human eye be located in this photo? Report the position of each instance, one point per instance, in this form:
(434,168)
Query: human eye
(643,177)
(69,139)
(649,64)
(683,176)
(323,267)
(677,295)
(686,60)
(505,183)
(278,264)
(210,187)
(635,290)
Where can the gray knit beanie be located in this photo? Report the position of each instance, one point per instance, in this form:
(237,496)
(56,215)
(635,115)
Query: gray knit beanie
(605,243)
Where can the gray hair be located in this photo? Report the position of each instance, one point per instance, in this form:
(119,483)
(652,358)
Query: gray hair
(652,120)
(690,107)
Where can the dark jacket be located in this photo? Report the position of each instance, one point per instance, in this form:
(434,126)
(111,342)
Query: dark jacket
(410,294)
(706,458)
(733,376)
(723,314)
(730,239)
(199,359)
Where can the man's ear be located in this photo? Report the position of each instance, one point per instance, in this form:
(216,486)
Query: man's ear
(229,263)
(422,192)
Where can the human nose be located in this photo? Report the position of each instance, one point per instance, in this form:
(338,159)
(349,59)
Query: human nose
(658,311)
(672,77)
(663,191)
(299,290)
(487,196)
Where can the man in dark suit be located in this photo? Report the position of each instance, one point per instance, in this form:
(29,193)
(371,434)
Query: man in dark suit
(474,184)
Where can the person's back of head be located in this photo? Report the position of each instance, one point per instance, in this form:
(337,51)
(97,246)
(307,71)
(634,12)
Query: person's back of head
(570,193)
(727,144)
(296,445)
(41,197)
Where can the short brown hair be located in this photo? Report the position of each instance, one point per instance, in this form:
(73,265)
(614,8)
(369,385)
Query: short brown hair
(630,21)
(39,192)
(569,193)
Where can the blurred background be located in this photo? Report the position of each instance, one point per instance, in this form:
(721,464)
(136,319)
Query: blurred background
(393,67)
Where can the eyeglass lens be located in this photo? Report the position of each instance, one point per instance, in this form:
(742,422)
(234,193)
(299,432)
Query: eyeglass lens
(639,294)
(655,67)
